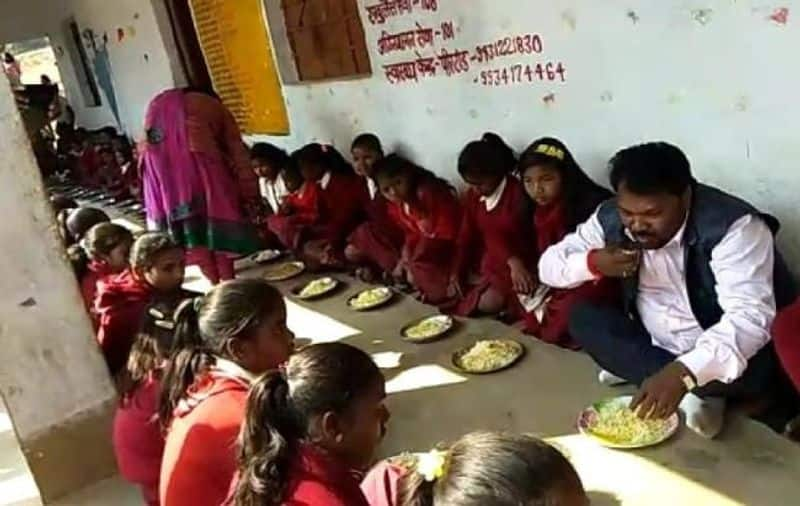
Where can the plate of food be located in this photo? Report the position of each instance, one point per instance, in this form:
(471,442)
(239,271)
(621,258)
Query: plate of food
(613,424)
(427,329)
(284,270)
(488,355)
(370,298)
(316,288)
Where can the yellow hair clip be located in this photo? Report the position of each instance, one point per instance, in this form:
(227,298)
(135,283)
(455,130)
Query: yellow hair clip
(431,465)
(549,150)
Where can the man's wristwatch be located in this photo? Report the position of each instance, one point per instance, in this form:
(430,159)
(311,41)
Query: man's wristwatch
(689,382)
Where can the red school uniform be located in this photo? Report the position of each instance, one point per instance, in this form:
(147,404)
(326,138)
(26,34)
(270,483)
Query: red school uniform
(95,272)
(318,478)
(550,227)
(199,460)
(381,485)
(138,440)
(430,229)
(339,209)
(299,210)
(493,230)
(786,336)
(379,238)
(121,302)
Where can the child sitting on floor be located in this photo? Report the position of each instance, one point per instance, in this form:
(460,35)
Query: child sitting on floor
(310,427)
(426,208)
(74,223)
(102,252)
(375,244)
(564,196)
(138,438)
(156,270)
(481,468)
(330,188)
(268,161)
(223,342)
(492,242)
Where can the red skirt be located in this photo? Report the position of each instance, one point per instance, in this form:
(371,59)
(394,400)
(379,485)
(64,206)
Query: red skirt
(288,229)
(380,248)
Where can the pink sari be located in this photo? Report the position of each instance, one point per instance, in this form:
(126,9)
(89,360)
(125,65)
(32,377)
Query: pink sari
(188,192)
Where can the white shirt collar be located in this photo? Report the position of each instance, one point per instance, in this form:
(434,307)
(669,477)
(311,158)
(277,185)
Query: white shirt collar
(372,188)
(492,200)
(325,180)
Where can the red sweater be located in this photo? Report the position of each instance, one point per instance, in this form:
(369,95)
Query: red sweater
(138,441)
(492,237)
(375,210)
(339,209)
(95,272)
(431,224)
(319,479)
(200,454)
(121,302)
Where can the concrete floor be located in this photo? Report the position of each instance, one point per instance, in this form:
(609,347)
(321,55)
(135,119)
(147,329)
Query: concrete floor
(747,465)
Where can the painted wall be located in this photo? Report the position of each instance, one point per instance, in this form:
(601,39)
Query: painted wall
(714,77)
(128,51)
(53,378)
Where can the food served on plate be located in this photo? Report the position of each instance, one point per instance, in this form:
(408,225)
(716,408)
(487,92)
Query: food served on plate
(266,255)
(614,424)
(488,355)
(283,271)
(317,287)
(370,298)
(429,327)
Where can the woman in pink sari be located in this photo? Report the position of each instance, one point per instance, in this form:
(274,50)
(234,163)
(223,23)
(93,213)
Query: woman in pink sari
(197,180)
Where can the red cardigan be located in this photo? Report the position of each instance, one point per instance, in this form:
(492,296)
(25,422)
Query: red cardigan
(200,454)
(121,302)
(95,272)
(492,237)
(339,209)
(319,479)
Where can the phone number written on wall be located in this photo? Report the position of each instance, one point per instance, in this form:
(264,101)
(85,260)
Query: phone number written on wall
(431,61)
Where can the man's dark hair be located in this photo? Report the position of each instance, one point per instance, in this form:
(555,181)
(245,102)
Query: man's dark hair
(651,168)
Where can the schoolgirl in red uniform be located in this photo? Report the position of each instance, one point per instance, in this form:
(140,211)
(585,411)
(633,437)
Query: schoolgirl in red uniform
(156,270)
(374,247)
(137,436)
(330,209)
(564,197)
(427,209)
(492,246)
(223,342)
(311,428)
(102,252)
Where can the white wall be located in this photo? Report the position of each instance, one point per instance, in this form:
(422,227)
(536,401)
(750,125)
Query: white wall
(720,83)
(136,78)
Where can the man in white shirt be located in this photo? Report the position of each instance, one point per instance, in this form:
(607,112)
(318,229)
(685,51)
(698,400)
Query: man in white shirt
(699,292)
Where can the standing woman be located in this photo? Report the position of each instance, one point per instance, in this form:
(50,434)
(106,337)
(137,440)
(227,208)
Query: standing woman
(197,179)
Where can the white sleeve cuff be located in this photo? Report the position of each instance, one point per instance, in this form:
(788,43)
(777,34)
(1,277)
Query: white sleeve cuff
(702,364)
(578,267)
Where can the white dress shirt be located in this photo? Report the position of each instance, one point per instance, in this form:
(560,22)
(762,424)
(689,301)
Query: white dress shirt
(273,191)
(742,264)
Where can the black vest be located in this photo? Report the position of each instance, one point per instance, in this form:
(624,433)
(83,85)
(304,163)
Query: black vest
(711,215)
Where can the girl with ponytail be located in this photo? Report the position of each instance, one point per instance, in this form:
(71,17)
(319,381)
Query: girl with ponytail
(223,342)
(493,241)
(486,469)
(330,189)
(137,437)
(309,426)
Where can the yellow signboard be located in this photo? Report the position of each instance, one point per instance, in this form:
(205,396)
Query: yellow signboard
(235,41)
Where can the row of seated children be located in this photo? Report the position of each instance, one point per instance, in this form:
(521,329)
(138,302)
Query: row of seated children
(100,160)
(470,254)
(217,408)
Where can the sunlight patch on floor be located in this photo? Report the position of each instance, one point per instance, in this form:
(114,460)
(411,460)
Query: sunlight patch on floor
(423,376)
(318,328)
(635,479)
